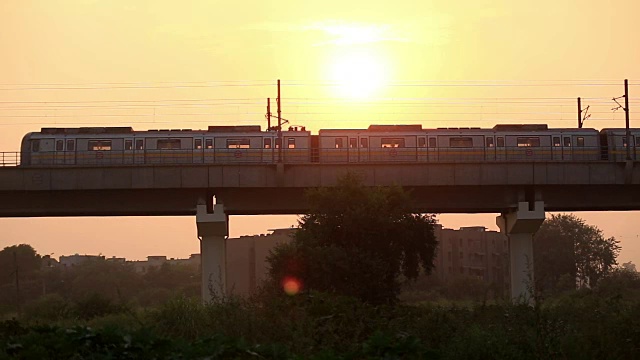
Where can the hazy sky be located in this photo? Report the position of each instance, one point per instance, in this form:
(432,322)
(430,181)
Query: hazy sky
(344,64)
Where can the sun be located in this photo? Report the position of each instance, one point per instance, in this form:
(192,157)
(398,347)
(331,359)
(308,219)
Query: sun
(358,74)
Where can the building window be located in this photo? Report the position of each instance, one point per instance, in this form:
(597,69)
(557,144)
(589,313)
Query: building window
(197,144)
(267,143)
(339,144)
(59,145)
(238,143)
(364,143)
(71,145)
(556,141)
(168,144)
(500,141)
(392,143)
(291,143)
(139,144)
(128,144)
(432,142)
(489,142)
(208,143)
(99,145)
(528,142)
(580,141)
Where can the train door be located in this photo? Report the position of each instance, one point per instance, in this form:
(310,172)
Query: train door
(315,149)
(198,147)
(59,157)
(422,150)
(567,149)
(268,149)
(352,150)
(501,149)
(363,150)
(70,152)
(138,152)
(490,148)
(128,152)
(208,151)
(432,148)
(556,147)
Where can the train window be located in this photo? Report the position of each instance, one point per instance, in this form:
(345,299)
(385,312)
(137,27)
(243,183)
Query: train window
(556,141)
(489,142)
(422,142)
(243,143)
(71,145)
(353,143)
(35,145)
(392,143)
(624,141)
(278,143)
(99,145)
(339,144)
(128,144)
(59,145)
(580,141)
(208,143)
(500,141)
(637,140)
(197,143)
(528,142)
(432,142)
(267,143)
(139,144)
(460,142)
(364,143)
(168,144)
(567,141)
(291,143)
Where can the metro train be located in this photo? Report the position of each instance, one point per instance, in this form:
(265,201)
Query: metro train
(104,146)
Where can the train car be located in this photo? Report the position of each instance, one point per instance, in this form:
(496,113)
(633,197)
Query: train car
(377,143)
(614,144)
(122,146)
(511,143)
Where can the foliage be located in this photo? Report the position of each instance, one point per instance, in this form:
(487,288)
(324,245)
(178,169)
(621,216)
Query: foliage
(566,245)
(357,241)
(589,323)
(23,256)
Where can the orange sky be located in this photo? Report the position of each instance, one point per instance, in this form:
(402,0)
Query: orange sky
(61,61)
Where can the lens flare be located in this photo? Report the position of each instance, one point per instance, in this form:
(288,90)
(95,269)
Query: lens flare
(291,285)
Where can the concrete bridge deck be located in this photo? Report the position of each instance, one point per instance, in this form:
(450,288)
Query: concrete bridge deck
(149,190)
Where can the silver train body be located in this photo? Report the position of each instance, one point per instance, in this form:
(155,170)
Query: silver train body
(106,146)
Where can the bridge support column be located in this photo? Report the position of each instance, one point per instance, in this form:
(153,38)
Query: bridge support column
(520,226)
(213,231)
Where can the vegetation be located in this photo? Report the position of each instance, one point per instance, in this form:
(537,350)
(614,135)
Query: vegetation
(566,249)
(357,241)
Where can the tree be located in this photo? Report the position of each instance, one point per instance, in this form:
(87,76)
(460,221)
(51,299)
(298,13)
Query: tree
(23,256)
(357,241)
(566,246)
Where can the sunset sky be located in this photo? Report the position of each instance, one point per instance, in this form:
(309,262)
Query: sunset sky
(343,64)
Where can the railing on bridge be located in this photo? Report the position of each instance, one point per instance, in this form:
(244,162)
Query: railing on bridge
(11,158)
(305,155)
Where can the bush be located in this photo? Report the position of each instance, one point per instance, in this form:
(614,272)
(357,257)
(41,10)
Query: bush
(52,307)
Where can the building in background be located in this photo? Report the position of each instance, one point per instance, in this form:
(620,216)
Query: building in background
(246,259)
(74,260)
(472,252)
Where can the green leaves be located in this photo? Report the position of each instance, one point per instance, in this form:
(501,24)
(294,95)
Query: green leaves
(357,241)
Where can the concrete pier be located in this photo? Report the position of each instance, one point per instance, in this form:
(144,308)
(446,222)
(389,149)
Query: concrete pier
(213,229)
(520,225)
